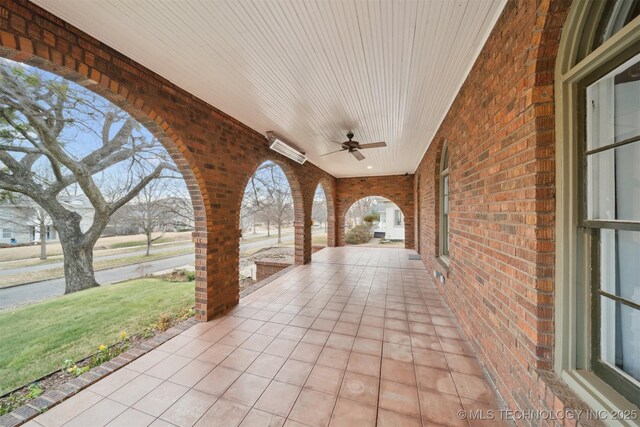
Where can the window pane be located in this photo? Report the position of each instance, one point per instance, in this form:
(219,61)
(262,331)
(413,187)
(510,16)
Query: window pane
(445,195)
(613,184)
(397,217)
(620,264)
(620,336)
(617,14)
(613,106)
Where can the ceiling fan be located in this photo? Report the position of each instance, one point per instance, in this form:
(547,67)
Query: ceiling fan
(353,147)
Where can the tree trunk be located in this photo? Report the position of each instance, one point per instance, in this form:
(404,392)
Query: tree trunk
(268,229)
(279,233)
(78,267)
(78,254)
(148,244)
(43,240)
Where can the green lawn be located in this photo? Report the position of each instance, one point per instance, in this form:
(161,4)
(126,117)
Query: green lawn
(319,239)
(36,339)
(140,243)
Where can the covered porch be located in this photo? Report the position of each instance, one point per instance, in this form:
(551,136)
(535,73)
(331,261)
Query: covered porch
(480,113)
(360,337)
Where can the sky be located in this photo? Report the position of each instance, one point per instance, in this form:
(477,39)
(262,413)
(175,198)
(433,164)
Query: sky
(80,140)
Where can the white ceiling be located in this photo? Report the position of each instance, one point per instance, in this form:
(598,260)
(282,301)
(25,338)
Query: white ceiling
(309,70)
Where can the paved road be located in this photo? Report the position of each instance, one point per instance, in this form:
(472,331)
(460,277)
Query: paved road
(49,288)
(154,250)
(39,291)
(97,257)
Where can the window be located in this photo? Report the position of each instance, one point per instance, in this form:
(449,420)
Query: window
(598,220)
(51,233)
(397,217)
(612,202)
(444,203)
(383,218)
(6,233)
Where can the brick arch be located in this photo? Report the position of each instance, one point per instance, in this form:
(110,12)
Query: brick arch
(397,188)
(217,149)
(296,195)
(154,123)
(330,194)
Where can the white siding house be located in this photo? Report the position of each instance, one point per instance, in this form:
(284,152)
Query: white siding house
(391,220)
(21,219)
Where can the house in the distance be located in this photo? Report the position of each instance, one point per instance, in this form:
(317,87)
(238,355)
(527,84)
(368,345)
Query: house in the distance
(391,223)
(21,219)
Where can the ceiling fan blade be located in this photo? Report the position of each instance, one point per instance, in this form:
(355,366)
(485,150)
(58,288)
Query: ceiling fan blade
(332,152)
(358,155)
(372,145)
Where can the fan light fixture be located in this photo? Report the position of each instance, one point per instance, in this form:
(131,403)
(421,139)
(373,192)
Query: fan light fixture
(286,148)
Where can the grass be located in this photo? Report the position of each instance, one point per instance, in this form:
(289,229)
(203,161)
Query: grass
(55,273)
(97,253)
(274,235)
(132,243)
(38,338)
(103,244)
(319,239)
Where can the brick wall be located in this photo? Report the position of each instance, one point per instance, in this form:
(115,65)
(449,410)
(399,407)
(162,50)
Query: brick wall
(501,141)
(500,136)
(267,267)
(397,188)
(216,153)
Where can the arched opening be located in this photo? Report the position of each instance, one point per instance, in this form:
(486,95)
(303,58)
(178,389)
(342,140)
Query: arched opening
(267,217)
(374,221)
(90,196)
(320,218)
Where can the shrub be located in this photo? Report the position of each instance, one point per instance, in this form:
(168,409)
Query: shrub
(358,235)
(179,276)
(164,322)
(371,218)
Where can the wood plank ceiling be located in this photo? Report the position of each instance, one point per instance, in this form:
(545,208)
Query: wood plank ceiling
(310,70)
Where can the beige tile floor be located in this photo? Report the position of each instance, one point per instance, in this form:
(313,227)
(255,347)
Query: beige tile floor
(360,337)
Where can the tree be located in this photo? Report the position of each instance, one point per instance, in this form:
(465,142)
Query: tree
(179,205)
(319,211)
(279,200)
(46,122)
(267,197)
(359,209)
(150,212)
(370,218)
(254,201)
